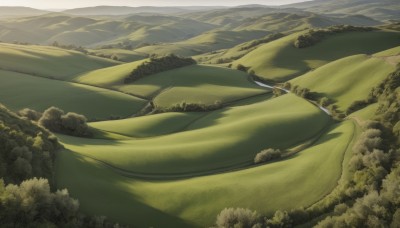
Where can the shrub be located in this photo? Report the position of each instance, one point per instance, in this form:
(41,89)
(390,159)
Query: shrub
(242,68)
(238,217)
(267,155)
(71,123)
(189,107)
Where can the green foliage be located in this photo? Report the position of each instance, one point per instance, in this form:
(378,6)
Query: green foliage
(267,155)
(314,36)
(238,218)
(71,123)
(30,114)
(189,107)
(26,150)
(158,64)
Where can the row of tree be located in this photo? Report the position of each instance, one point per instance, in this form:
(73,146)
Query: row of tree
(314,36)
(158,64)
(189,107)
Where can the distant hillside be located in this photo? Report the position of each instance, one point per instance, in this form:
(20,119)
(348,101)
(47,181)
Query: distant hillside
(382,9)
(84,31)
(7,11)
(122,10)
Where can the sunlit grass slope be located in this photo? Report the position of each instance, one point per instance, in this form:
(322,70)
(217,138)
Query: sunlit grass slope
(48,61)
(346,80)
(225,138)
(195,202)
(148,126)
(122,54)
(206,42)
(281,61)
(18,91)
(198,83)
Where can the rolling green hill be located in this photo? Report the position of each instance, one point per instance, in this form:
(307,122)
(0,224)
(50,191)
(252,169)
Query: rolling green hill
(382,10)
(353,77)
(213,141)
(49,62)
(194,202)
(18,91)
(84,31)
(281,61)
(198,84)
(206,42)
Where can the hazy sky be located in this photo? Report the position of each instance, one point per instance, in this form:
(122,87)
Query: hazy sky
(62,4)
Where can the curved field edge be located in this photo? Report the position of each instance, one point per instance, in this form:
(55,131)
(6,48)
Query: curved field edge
(41,93)
(222,138)
(194,202)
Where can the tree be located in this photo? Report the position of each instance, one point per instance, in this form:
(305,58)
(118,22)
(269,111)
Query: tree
(237,217)
(30,114)
(267,155)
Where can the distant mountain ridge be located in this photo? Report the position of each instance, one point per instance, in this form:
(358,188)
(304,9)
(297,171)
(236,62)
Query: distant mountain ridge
(124,10)
(20,11)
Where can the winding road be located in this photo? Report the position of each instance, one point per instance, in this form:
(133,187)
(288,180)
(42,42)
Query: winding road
(288,91)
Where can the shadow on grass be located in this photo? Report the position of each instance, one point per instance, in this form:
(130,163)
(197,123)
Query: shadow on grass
(103,192)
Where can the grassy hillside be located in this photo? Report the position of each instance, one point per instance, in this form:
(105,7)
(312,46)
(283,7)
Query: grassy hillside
(149,126)
(213,141)
(18,91)
(121,54)
(206,42)
(48,61)
(353,77)
(84,31)
(382,10)
(281,61)
(314,172)
(198,83)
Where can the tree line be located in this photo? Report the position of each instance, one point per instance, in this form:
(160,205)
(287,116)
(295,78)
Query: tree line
(314,36)
(158,64)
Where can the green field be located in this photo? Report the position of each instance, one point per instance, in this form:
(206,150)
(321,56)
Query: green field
(41,93)
(281,61)
(213,141)
(49,62)
(203,84)
(353,77)
(143,165)
(194,202)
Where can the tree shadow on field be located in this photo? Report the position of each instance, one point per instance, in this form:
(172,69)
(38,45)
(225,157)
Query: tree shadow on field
(79,141)
(101,191)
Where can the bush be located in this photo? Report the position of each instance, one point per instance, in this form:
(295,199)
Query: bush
(267,155)
(157,65)
(242,68)
(71,123)
(30,114)
(189,107)
(239,217)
